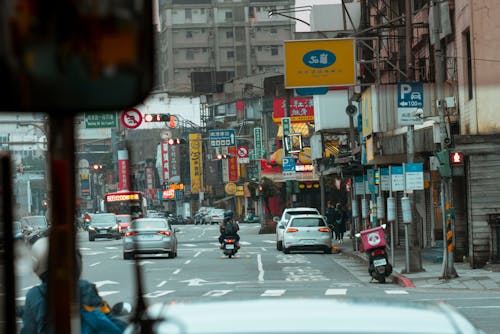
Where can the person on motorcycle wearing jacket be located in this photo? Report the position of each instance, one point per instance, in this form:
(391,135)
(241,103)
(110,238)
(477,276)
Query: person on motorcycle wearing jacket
(34,313)
(224,227)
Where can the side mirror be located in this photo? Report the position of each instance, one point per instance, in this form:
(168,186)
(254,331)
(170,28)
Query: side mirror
(281,227)
(121,309)
(276,219)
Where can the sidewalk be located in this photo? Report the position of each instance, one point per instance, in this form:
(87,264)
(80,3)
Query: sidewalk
(486,278)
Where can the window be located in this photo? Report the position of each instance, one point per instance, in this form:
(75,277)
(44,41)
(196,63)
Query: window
(229,34)
(230,54)
(274,51)
(188,14)
(189,34)
(468,63)
(189,54)
(229,15)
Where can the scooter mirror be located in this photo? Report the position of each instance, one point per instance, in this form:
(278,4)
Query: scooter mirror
(383,226)
(358,235)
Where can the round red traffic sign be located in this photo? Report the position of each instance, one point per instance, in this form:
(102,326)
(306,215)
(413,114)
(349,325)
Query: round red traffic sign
(131,118)
(242,151)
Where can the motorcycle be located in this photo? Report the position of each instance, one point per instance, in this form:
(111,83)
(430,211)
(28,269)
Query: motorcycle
(373,242)
(229,247)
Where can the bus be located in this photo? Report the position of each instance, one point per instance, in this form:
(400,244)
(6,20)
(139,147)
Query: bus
(125,202)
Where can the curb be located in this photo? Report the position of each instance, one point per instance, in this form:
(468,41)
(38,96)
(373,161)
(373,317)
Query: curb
(402,280)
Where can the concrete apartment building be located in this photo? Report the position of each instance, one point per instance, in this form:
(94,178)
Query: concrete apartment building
(203,43)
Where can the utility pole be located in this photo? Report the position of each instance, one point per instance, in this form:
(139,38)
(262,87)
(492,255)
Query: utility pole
(415,260)
(448,262)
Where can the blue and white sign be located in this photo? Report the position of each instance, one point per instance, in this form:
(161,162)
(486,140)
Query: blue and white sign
(288,168)
(398,179)
(385,180)
(410,103)
(414,174)
(222,138)
(359,185)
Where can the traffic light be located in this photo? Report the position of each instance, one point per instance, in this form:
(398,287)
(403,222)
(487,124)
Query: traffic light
(176,141)
(221,156)
(444,167)
(156,118)
(456,158)
(96,166)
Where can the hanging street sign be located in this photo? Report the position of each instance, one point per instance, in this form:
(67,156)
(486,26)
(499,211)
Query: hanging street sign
(222,138)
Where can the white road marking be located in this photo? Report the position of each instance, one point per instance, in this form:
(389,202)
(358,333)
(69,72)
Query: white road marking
(396,292)
(189,245)
(335,292)
(196,255)
(216,293)
(269,241)
(176,271)
(111,247)
(114,257)
(161,284)
(260,268)
(158,293)
(480,306)
(98,284)
(273,293)
(107,293)
(94,264)
(187,262)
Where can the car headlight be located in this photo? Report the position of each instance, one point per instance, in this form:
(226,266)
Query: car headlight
(115,227)
(91,228)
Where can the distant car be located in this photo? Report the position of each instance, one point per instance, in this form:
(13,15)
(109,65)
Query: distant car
(307,232)
(416,96)
(34,227)
(308,315)
(123,223)
(103,225)
(285,217)
(214,216)
(150,236)
(199,217)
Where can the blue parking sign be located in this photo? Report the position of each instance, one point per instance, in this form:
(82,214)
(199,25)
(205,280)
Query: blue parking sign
(410,103)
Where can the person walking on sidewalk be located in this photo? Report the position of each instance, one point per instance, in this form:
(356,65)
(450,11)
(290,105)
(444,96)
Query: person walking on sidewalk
(339,223)
(330,217)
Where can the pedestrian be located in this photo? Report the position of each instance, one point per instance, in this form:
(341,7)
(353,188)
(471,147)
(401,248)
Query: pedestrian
(340,223)
(330,217)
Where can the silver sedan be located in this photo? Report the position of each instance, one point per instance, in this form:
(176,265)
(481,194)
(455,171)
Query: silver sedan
(150,236)
(307,232)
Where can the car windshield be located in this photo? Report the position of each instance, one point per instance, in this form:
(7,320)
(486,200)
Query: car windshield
(354,143)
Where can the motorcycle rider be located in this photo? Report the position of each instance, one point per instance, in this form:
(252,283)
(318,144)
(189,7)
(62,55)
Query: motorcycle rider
(228,224)
(34,313)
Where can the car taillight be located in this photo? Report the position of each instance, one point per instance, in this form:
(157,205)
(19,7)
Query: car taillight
(324,229)
(129,234)
(229,241)
(167,233)
(292,230)
(378,252)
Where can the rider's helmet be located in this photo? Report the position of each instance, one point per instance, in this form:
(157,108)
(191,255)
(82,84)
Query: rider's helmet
(228,214)
(40,257)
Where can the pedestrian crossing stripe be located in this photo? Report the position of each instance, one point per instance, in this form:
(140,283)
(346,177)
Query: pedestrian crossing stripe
(396,292)
(335,292)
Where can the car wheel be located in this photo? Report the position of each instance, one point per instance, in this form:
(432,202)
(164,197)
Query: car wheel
(286,250)
(328,250)
(128,256)
(279,245)
(91,237)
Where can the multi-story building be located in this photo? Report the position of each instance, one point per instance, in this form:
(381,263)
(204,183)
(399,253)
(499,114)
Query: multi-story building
(204,43)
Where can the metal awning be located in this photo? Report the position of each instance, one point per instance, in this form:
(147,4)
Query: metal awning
(225,199)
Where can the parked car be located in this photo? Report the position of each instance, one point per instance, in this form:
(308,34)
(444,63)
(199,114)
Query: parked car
(214,216)
(307,232)
(285,217)
(123,223)
(103,225)
(150,236)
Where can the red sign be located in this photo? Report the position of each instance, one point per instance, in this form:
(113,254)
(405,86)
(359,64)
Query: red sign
(232,164)
(131,118)
(123,170)
(301,109)
(165,167)
(457,158)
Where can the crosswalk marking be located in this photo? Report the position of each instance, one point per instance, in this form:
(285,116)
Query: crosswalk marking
(273,293)
(396,292)
(216,293)
(335,292)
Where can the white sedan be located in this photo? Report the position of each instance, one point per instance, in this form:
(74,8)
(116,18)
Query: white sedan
(307,232)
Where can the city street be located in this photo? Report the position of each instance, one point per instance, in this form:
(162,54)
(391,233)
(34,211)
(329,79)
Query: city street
(200,271)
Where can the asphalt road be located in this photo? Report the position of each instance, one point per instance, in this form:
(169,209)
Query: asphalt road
(201,272)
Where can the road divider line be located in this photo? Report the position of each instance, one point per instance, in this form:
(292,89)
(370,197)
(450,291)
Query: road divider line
(187,262)
(396,292)
(335,292)
(94,264)
(176,271)
(197,254)
(161,284)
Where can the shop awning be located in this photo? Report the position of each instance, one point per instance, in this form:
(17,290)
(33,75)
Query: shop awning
(299,176)
(225,199)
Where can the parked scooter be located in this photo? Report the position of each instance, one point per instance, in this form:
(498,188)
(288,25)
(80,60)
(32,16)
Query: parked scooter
(374,244)
(229,247)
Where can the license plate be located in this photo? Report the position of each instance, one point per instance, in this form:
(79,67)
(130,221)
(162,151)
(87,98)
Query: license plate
(308,242)
(379,262)
(103,232)
(146,237)
(229,246)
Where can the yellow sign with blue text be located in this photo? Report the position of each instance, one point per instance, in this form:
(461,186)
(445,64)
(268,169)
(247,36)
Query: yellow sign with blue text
(320,63)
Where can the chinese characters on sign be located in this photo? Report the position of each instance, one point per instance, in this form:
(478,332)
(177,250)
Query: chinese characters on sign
(195,150)
(301,109)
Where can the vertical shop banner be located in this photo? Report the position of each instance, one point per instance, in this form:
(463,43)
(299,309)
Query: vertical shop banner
(232,164)
(123,170)
(174,163)
(196,162)
(149,181)
(165,168)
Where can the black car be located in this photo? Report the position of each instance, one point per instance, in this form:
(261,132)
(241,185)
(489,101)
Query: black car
(103,225)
